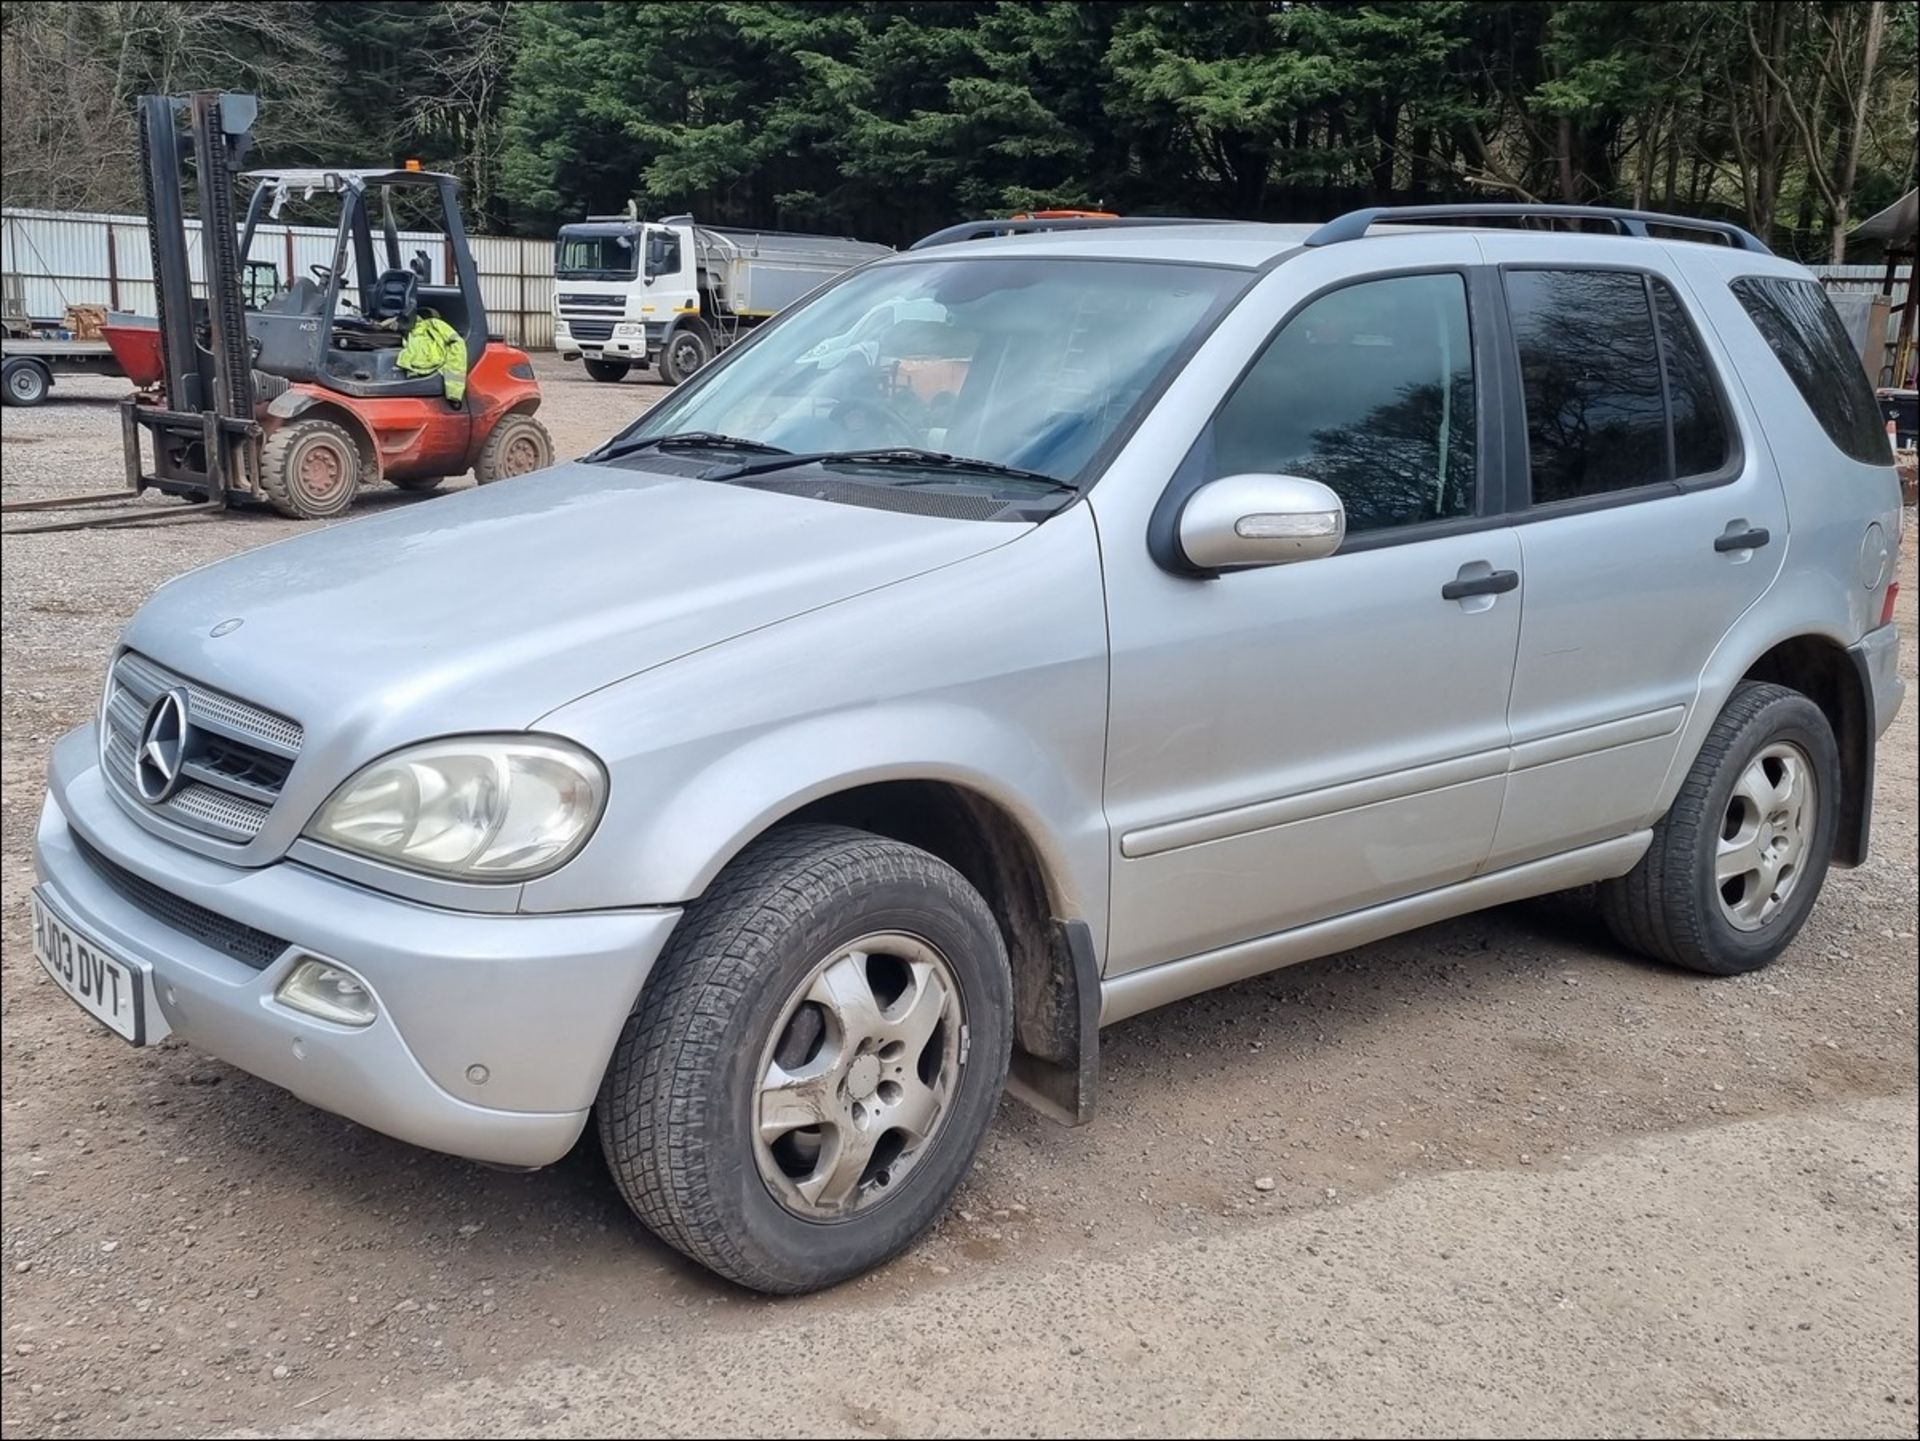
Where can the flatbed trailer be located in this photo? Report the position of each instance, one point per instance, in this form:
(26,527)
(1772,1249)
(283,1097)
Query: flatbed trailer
(28,365)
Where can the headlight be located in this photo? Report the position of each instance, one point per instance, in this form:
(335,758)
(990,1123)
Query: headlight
(629,327)
(483,808)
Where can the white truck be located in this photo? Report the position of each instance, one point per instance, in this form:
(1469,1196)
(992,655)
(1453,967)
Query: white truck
(672,294)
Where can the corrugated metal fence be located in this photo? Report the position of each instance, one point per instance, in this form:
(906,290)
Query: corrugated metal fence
(52,259)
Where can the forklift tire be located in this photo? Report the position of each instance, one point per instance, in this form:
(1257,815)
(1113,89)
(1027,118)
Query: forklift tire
(519,443)
(418,484)
(310,469)
(686,350)
(24,382)
(611,371)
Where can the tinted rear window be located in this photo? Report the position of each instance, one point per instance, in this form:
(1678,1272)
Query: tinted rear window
(1797,321)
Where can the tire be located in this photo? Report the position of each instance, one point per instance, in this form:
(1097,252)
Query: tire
(1674,905)
(418,483)
(677,1109)
(610,371)
(24,382)
(519,444)
(685,351)
(310,469)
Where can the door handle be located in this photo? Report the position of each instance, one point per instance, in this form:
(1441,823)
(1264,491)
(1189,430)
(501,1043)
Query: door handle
(1494,582)
(1752,539)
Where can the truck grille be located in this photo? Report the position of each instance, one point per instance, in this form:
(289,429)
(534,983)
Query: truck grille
(235,761)
(589,329)
(251,948)
(611,304)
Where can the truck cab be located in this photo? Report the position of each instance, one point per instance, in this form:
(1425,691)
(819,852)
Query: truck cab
(671,294)
(618,285)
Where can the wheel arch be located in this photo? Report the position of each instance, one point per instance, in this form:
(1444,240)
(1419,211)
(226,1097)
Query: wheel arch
(1052,953)
(300,404)
(1822,669)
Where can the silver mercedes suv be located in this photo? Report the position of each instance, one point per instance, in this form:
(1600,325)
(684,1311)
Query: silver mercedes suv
(1022,633)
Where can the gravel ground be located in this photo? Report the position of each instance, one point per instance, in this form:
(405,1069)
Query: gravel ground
(1487,1176)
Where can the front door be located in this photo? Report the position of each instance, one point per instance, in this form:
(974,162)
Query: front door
(1290,743)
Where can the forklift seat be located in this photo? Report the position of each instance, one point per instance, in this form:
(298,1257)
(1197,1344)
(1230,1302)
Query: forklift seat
(396,296)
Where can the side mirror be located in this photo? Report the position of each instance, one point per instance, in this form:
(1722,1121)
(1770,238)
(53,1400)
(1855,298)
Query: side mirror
(1251,520)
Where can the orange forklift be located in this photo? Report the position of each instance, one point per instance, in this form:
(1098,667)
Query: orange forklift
(299,402)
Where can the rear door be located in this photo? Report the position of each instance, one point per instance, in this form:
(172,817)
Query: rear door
(1649,518)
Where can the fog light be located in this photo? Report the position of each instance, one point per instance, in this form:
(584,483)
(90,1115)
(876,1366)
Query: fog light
(329,992)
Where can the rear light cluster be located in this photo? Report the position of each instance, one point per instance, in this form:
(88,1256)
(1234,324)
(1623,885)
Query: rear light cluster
(1892,600)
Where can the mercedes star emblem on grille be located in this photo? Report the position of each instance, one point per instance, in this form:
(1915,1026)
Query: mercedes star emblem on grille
(163,748)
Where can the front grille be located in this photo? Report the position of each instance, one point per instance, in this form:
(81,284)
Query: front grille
(615,303)
(243,943)
(237,755)
(589,329)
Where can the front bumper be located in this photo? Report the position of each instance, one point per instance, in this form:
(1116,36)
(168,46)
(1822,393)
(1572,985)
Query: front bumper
(537,1001)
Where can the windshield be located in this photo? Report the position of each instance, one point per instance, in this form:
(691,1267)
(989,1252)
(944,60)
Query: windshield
(1031,363)
(595,257)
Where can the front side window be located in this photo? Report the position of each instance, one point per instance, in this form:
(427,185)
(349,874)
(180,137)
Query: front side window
(1369,390)
(663,253)
(1799,325)
(1032,363)
(1590,370)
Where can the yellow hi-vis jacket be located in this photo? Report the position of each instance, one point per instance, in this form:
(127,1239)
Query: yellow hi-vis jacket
(433,345)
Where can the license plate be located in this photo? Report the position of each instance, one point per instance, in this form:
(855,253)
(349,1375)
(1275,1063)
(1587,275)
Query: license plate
(109,990)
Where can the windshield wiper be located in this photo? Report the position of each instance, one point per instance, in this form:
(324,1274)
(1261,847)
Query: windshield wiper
(683,440)
(908,457)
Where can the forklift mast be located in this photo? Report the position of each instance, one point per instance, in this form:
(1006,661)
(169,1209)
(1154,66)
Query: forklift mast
(218,376)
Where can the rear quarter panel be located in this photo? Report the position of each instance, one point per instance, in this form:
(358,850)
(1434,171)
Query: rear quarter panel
(1831,500)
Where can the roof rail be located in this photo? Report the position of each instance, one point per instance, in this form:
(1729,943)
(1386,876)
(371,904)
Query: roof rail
(1355,223)
(987,229)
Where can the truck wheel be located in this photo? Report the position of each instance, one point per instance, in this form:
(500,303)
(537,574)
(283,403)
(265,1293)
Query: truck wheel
(686,351)
(310,469)
(814,1061)
(611,371)
(1737,863)
(519,443)
(24,382)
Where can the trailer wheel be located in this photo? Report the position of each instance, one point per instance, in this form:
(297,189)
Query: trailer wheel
(687,349)
(310,469)
(611,371)
(24,382)
(519,443)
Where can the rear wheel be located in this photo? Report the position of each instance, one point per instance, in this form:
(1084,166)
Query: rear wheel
(1738,861)
(519,443)
(611,371)
(310,469)
(814,1061)
(24,382)
(687,349)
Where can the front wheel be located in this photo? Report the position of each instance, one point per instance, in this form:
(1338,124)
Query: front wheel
(310,469)
(519,443)
(814,1061)
(1738,861)
(687,349)
(610,371)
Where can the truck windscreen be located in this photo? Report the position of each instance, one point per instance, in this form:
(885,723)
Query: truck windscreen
(595,257)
